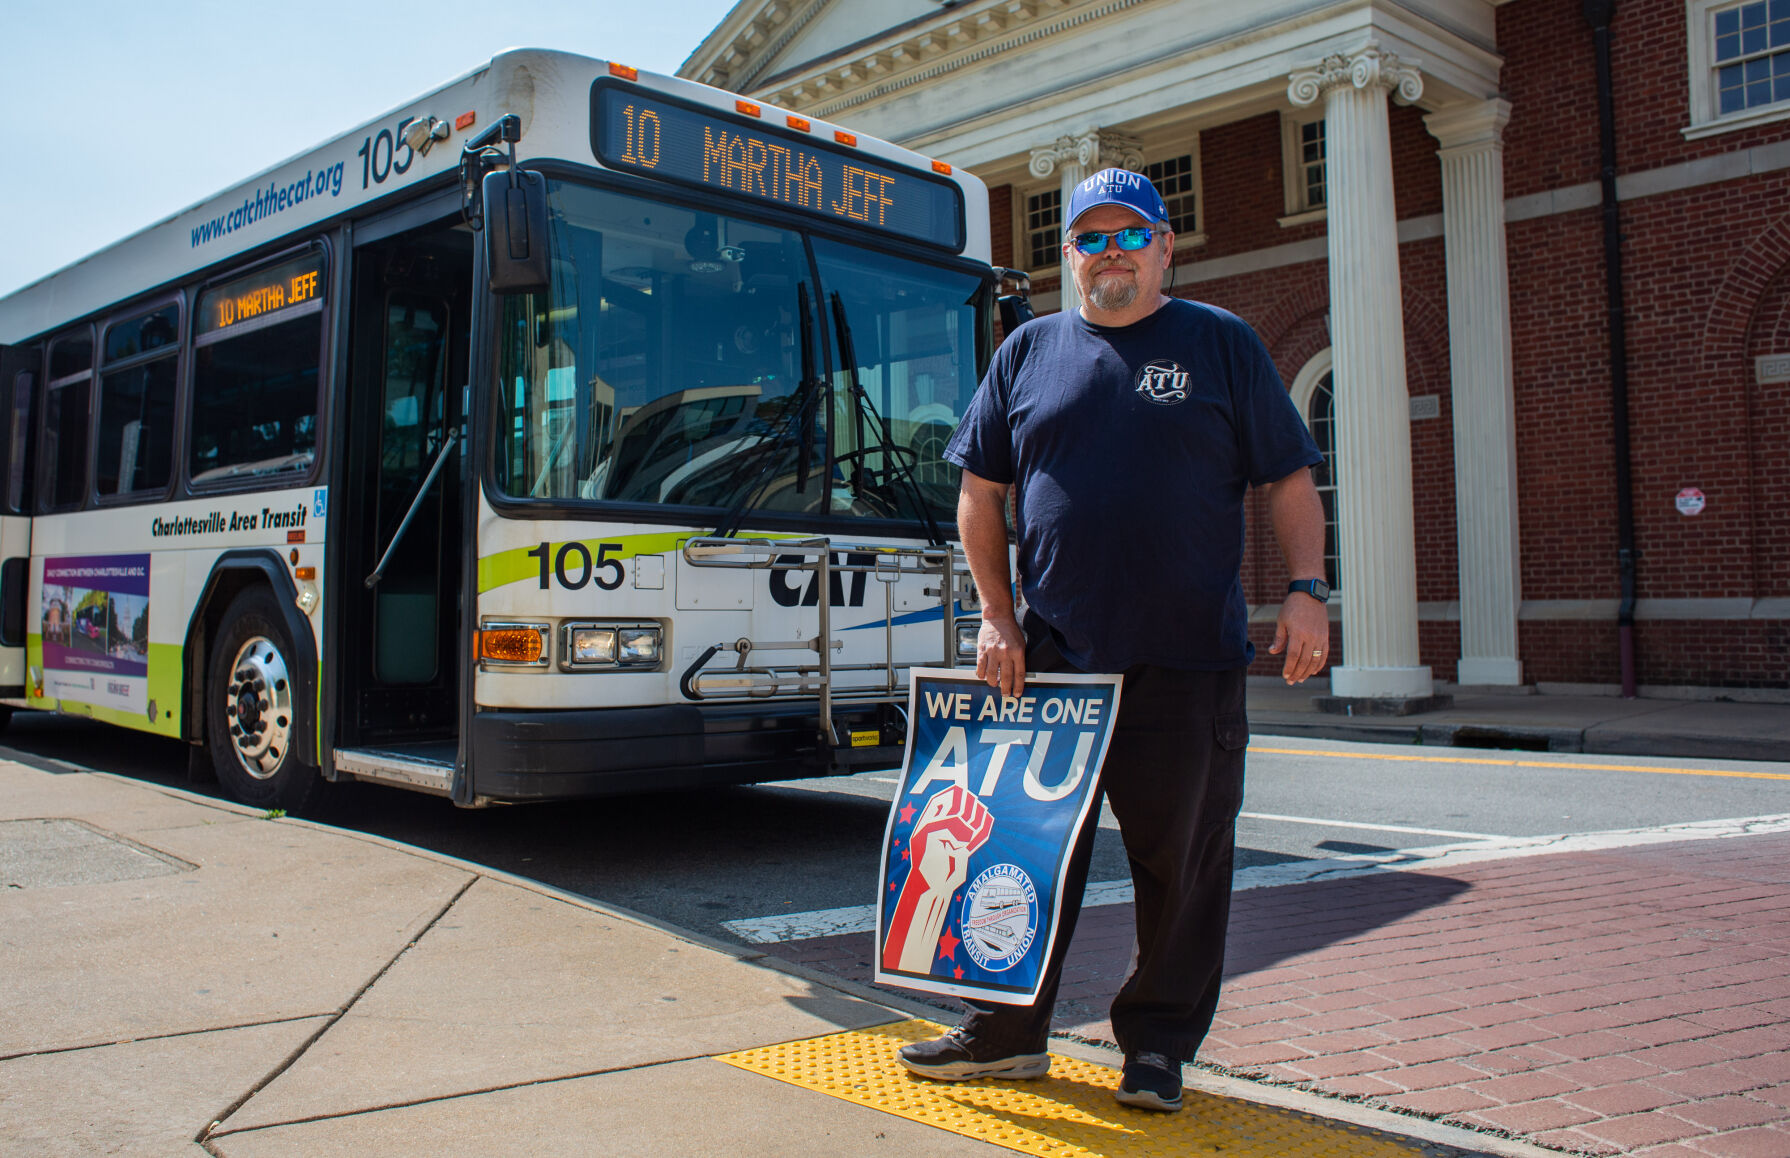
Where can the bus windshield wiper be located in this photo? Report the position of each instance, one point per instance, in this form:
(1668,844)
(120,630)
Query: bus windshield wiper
(894,462)
(799,420)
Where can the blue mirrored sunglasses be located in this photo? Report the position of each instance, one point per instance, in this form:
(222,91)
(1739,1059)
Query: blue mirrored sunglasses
(1130,240)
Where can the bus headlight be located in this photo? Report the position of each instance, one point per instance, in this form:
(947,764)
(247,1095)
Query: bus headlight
(612,645)
(590,645)
(966,639)
(640,645)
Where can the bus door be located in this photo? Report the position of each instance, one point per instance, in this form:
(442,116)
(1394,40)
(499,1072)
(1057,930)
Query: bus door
(399,658)
(19,370)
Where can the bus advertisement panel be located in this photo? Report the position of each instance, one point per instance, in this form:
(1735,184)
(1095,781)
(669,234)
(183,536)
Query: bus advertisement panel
(95,625)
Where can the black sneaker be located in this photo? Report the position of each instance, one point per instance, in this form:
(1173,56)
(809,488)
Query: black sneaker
(958,1057)
(1151,1081)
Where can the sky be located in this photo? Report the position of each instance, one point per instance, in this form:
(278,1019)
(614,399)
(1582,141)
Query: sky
(119,115)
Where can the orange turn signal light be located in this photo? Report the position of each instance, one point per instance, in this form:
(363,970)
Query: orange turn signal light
(466,120)
(510,645)
(623,71)
(305,573)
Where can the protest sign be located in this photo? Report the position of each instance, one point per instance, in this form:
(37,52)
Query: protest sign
(993,791)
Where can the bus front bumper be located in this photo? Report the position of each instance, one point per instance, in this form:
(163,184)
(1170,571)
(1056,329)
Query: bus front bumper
(580,753)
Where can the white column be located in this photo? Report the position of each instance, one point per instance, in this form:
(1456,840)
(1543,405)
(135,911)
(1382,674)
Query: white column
(1374,510)
(1485,455)
(1075,158)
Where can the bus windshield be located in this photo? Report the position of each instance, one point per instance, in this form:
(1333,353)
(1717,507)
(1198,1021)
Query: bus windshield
(665,366)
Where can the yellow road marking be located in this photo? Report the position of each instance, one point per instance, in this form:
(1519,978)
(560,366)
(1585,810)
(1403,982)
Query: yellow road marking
(1070,1114)
(1512,763)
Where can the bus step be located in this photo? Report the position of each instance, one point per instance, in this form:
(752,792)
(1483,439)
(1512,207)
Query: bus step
(405,769)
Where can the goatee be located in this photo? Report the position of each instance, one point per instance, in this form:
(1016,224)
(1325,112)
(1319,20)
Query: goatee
(1112,294)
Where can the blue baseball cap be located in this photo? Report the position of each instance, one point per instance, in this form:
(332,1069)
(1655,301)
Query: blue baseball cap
(1117,187)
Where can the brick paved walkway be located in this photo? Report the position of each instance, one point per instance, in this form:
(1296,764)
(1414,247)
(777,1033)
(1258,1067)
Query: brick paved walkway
(1622,1002)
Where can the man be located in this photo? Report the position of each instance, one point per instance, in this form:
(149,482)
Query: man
(1133,429)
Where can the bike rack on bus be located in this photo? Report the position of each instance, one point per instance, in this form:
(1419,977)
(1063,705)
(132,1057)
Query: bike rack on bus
(746,681)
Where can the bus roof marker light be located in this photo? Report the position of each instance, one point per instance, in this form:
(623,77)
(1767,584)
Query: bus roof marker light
(845,138)
(942,168)
(748,108)
(623,71)
(796,122)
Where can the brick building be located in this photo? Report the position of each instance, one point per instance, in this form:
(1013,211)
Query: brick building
(1405,201)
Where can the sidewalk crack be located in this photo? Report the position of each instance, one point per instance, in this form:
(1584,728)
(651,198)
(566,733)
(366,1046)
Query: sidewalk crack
(455,1096)
(203,1138)
(6,1057)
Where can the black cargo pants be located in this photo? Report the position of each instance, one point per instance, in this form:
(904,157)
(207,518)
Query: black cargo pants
(1174,777)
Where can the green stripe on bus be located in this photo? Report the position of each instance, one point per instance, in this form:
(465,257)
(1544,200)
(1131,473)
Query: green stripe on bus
(515,565)
(166,678)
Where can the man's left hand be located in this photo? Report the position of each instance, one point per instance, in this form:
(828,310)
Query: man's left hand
(1303,632)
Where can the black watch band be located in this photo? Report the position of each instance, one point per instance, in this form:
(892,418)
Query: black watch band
(1316,588)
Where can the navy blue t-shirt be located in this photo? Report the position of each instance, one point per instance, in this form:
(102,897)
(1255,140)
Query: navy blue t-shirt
(1132,448)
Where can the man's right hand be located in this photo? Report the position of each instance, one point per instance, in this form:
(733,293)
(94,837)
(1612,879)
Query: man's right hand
(1001,654)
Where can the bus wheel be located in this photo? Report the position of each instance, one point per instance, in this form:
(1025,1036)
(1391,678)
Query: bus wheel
(252,715)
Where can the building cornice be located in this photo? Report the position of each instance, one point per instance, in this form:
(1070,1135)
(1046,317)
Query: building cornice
(745,43)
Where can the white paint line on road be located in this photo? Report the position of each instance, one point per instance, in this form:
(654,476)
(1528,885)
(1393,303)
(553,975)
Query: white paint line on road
(862,918)
(1449,856)
(1367,827)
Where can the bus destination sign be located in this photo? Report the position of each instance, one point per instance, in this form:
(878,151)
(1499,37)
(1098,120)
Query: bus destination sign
(274,289)
(658,137)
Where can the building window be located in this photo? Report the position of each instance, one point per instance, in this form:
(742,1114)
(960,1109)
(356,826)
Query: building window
(1302,162)
(1177,179)
(1752,55)
(1311,164)
(1044,229)
(1739,64)
(1313,392)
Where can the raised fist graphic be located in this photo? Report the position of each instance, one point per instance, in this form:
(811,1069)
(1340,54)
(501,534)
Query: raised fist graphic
(953,825)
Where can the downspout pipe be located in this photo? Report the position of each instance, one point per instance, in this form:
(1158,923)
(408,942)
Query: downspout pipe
(1599,14)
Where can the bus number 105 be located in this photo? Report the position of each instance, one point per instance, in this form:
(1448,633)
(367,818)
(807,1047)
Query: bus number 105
(573,567)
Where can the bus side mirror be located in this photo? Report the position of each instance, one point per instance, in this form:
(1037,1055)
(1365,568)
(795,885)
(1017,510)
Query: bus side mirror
(518,258)
(1015,298)
(1016,311)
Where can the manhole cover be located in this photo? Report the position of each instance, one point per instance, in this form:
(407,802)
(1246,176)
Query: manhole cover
(41,854)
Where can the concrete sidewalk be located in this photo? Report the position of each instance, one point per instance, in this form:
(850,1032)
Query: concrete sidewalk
(1725,729)
(184,976)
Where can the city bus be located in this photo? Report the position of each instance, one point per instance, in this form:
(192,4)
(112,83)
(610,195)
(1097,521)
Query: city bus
(565,431)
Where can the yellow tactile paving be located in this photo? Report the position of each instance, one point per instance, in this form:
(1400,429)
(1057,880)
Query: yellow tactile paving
(1070,1114)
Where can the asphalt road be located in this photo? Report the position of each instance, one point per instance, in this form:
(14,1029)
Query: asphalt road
(695,860)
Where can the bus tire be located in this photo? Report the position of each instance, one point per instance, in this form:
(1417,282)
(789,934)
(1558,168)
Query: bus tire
(253,715)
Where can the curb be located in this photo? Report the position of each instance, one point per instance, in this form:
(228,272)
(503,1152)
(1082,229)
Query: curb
(1597,740)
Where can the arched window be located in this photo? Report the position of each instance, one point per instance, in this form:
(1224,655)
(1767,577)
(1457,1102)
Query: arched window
(1314,395)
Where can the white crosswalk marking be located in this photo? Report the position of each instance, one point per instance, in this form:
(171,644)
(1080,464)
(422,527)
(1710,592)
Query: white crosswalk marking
(862,918)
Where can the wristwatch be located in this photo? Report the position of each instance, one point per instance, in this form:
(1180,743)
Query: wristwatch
(1316,588)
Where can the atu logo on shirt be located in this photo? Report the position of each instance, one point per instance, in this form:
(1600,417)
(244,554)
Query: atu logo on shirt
(1162,382)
